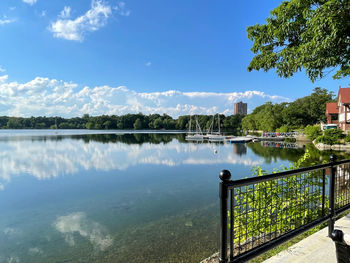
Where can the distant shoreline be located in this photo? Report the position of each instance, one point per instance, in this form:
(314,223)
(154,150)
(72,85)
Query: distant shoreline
(68,132)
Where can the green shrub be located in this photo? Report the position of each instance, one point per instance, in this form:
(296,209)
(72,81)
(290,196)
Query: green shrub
(330,137)
(268,211)
(313,131)
(347,138)
(284,128)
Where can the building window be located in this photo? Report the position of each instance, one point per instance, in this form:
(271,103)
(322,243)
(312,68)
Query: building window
(334,117)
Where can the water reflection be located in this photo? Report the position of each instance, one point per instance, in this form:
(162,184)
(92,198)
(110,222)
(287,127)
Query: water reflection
(77,222)
(47,157)
(272,154)
(240,149)
(155,194)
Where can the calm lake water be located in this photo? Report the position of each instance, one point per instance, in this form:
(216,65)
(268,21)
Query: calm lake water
(75,197)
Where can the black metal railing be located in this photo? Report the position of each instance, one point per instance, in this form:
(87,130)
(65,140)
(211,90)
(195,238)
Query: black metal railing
(262,212)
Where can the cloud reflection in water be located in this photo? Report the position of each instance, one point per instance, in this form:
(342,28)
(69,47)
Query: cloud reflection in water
(78,223)
(45,159)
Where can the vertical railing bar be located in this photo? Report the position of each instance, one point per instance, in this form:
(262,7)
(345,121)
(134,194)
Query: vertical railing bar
(225,176)
(240,217)
(331,196)
(323,189)
(231,223)
(307,178)
(259,208)
(282,191)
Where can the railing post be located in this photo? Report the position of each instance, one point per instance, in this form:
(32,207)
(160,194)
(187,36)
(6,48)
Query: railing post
(225,176)
(332,196)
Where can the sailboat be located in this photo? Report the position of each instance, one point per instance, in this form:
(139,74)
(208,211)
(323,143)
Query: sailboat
(194,136)
(215,136)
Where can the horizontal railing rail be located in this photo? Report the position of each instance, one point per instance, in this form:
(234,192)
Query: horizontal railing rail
(259,213)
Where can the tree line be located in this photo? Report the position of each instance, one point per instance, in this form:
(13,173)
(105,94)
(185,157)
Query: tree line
(128,121)
(283,117)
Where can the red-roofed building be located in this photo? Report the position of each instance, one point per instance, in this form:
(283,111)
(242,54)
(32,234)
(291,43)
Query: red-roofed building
(332,113)
(343,105)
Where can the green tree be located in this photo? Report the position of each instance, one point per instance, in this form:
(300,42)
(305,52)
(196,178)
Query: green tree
(182,122)
(89,125)
(312,132)
(330,137)
(137,124)
(303,34)
(15,123)
(232,123)
(308,110)
(66,125)
(3,121)
(107,124)
(267,117)
(249,123)
(158,123)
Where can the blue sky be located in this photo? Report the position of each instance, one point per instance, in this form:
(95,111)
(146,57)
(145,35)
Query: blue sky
(63,57)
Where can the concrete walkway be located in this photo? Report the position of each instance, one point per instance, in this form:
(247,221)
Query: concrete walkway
(315,248)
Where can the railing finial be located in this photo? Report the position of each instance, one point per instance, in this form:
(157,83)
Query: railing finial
(225,175)
(333,158)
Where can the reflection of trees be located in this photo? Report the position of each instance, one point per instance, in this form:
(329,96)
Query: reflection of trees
(136,138)
(315,156)
(272,154)
(132,138)
(240,149)
(36,138)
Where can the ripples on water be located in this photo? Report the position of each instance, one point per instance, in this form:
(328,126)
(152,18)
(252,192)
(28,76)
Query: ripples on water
(70,197)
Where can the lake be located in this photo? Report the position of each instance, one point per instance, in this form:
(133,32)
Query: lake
(82,196)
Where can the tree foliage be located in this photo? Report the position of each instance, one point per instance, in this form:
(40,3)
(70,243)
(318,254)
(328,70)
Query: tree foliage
(129,121)
(308,110)
(330,137)
(313,131)
(304,34)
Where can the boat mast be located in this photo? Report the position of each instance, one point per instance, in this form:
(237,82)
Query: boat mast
(198,127)
(211,127)
(219,122)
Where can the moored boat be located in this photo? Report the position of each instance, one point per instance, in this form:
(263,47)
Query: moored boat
(215,136)
(196,135)
(240,140)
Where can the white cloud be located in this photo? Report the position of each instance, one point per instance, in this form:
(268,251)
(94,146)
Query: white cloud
(65,13)
(121,10)
(5,21)
(43,13)
(29,2)
(148,64)
(76,29)
(78,223)
(3,78)
(67,99)
(2,187)
(2,69)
